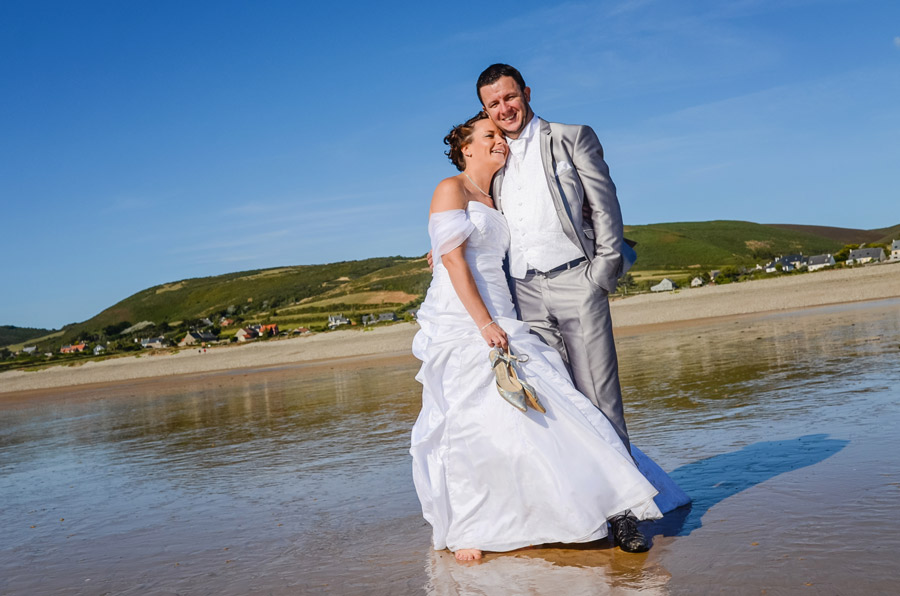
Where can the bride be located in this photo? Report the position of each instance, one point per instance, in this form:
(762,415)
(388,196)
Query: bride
(489,476)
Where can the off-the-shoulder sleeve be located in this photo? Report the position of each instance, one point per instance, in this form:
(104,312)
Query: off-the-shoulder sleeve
(448,229)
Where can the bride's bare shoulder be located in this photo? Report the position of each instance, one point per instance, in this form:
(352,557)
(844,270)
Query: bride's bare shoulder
(448,195)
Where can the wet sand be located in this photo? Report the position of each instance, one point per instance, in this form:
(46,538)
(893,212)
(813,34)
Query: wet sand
(296,478)
(177,383)
(632,315)
(394,340)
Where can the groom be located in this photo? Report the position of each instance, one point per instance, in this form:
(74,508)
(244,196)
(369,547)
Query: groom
(567,250)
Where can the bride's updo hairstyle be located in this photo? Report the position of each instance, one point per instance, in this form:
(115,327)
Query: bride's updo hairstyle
(459,136)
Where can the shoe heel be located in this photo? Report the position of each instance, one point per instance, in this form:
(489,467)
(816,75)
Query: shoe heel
(508,387)
(531,397)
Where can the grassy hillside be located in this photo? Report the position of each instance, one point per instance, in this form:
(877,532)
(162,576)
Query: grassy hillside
(263,294)
(11,335)
(889,235)
(842,235)
(711,244)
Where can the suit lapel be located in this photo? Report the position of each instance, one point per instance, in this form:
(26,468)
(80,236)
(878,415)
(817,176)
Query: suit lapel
(549,173)
(546,150)
(563,209)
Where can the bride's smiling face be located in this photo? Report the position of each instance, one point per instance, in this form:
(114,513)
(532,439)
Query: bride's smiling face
(487,146)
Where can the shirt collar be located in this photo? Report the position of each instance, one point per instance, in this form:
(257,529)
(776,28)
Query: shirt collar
(518,145)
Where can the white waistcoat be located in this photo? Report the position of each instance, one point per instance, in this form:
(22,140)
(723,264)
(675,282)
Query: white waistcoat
(537,240)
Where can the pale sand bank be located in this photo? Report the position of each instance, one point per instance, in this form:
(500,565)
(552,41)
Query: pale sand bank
(784,293)
(386,341)
(764,295)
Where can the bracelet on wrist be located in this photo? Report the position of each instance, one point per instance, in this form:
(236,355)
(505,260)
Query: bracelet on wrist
(492,322)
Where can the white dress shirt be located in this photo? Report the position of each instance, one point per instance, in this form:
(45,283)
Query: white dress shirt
(537,240)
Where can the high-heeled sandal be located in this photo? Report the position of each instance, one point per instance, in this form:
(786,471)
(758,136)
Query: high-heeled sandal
(531,397)
(509,386)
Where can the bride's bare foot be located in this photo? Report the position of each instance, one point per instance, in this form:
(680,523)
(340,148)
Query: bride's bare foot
(467,554)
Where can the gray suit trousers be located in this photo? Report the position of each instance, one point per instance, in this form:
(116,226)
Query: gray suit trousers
(571,315)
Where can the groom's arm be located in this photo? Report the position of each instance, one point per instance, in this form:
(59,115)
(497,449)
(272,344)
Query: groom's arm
(601,202)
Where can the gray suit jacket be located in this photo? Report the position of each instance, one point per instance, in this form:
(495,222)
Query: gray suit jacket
(578,176)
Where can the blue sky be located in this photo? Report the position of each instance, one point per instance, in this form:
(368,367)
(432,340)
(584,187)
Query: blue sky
(147,142)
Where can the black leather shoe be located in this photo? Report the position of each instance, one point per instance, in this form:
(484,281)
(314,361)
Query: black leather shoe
(627,535)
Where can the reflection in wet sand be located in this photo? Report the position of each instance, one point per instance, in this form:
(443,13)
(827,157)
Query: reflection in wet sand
(545,571)
(296,479)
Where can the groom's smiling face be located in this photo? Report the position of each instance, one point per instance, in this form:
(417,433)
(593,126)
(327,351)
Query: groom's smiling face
(507,105)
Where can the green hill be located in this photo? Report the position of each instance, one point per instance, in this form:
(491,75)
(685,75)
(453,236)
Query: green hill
(847,235)
(306,295)
(712,244)
(263,295)
(11,335)
(889,235)
(258,290)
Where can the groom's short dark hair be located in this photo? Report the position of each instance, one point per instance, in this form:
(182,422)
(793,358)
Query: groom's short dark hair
(494,72)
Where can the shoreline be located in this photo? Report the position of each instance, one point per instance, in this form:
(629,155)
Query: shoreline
(204,378)
(636,315)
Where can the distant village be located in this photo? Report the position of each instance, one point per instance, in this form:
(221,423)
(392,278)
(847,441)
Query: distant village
(798,262)
(203,334)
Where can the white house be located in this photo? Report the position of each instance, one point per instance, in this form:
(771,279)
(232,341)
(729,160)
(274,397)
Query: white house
(666,285)
(98,349)
(785,264)
(861,256)
(895,250)
(335,321)
(696,282)
(817,262)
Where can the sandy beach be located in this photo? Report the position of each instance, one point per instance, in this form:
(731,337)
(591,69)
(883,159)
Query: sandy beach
(631,315)
(764,295)
(296,478)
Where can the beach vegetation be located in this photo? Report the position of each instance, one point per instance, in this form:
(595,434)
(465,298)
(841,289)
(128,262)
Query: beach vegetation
(841,255)
(625,284)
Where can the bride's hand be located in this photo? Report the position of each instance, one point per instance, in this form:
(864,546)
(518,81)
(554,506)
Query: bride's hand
(495,336)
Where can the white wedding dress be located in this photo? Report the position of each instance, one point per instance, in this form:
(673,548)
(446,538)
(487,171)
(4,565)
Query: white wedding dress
(489,476)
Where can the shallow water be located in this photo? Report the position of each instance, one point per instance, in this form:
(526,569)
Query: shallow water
(783,428)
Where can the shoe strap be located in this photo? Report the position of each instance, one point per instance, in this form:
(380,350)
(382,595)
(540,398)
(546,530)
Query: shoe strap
(508,357)
(520,358)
